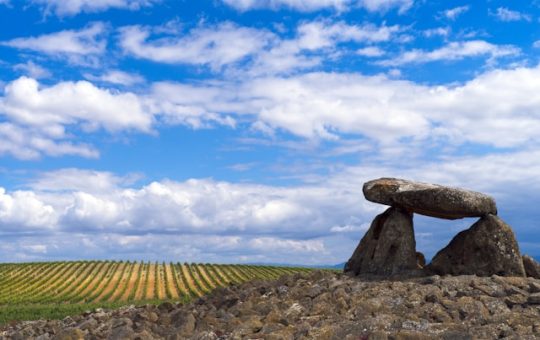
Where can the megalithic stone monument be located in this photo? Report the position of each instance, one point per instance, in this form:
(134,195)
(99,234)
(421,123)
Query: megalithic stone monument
(388,247)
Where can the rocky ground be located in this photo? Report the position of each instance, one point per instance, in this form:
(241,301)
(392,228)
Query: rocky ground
(322,305)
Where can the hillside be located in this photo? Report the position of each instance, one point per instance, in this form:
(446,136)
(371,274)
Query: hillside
(55,289)
(322,305)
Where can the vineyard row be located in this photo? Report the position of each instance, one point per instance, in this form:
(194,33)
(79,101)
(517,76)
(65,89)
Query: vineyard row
(118,281)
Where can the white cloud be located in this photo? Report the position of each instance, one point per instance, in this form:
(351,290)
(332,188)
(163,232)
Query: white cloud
(52,108)
(385,5)
(370,51)
(23,209)
(315,5)
(313,42)
(36,248)
(84,42)
(187,105)
(74,7)
(453,51)
(207,220)
(117,77)
(79,180)
(536,44)
(350,228)
(438,31)
(293,246)
(214,46)
(505,14)
(300,5)
(455,12)
(32,70)
(194,206)
(327,105)
(319,34)
(38,117)
(311,106)
(248,50)
(31,143)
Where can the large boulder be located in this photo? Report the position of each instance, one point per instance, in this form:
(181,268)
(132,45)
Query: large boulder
(488,247)
(387,248)
(429,199)
(532,267)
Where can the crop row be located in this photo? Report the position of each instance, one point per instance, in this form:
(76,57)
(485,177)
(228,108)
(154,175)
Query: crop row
(91,282)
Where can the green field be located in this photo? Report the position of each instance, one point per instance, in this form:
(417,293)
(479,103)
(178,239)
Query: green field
(56,289)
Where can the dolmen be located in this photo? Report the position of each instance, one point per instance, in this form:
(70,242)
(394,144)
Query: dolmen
(388,248)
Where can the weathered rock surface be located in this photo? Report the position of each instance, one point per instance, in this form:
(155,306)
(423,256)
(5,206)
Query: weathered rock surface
(387,248)
(429,199)
(532,268)
(322,305)
(488,247)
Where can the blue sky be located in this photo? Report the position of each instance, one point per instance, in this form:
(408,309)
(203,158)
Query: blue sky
(243,130)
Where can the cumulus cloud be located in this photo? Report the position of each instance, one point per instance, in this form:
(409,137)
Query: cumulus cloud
(22,210)
(26,142)
(505,14)
(42,115)
(214,46)
(292,246)
(80,180)
(315,5)
(385,5)
(235,220)
(83,42)
(313,42)
(438,31)
(391,113)
(32,70)
(327,105)
(85,200)
(221,220)
(65,103)
(300,5)
(73,7)
(117,77)
(250,50)
(453,51)
(455,12)
(370,51)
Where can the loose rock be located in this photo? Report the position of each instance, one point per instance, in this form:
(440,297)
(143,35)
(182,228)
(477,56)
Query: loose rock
(459,307)
(429,199)
(387,248)
(532,268)
(487,248)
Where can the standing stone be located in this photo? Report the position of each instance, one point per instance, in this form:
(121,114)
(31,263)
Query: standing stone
(429,199)
(387,248)
(532,268)
(488,247)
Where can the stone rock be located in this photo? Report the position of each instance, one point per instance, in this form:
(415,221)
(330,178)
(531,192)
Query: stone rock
(438,307)
(532,268)
(429,199)
(534,299)
(420,260)
(70,334)
(534,287)
(387,248)
(487,248)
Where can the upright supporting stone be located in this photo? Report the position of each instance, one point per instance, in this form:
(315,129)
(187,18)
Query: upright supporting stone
(488,247)
(388,247)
